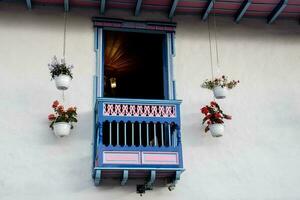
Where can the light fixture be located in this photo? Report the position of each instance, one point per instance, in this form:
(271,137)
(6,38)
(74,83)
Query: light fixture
(113,83)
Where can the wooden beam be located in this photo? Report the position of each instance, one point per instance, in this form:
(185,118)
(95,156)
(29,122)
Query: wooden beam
(210,5)
(102,6)
(173,8)
(138,7)
(66,5)
(242,10)
(277,10)
(29,5)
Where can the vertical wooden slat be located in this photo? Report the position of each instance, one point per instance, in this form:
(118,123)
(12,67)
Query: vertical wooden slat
(147,134)
(175,138)
(140,133)
(118,138)
(125,139)
(155,142)
(169,134)
(162,134)
(109,133)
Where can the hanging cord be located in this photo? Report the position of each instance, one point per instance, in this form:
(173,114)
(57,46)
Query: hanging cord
(216,39)
(210,50)
(65,33)
(64,48)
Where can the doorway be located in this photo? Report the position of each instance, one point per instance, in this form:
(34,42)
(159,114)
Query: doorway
(134,65)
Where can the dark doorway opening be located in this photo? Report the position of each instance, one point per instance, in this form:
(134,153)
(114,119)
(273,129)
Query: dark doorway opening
(133,65)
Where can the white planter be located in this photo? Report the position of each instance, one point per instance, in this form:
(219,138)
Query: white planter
(62,82)
(62,129)
(216,130)
(220,92)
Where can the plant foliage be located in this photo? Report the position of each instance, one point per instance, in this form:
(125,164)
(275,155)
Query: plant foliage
(213,115)
(62,115)
(223,82)
(57,68)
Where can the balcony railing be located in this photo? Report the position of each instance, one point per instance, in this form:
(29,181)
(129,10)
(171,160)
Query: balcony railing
(136,134)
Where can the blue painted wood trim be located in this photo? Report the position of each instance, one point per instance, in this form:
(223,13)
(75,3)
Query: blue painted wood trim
(210,4)
(165,67)
(102,6)
(242,10)
(102,118)
(173,44)
(97,177)
(102,148)
(152,178)
(66,5)
(138,168)
(173,8)
(277,10)
(174,89)
(125,177)
(29,4)
(170,65)
(138,7)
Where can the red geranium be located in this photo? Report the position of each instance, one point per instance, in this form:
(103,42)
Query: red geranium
(60,115)
(55,104)
(204,110)
(51,117)
(213,115)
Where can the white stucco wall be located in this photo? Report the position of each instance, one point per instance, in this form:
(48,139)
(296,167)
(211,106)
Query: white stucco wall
(257,158)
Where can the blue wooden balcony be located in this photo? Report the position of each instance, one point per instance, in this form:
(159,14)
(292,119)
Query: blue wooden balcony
(138,139)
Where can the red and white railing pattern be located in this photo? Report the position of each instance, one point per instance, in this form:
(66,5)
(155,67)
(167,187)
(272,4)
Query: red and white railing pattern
(138,110)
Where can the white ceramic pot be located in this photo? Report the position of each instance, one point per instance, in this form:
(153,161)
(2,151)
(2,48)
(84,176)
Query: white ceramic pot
(62,129)
(216,130)
(220,92)
(62,82)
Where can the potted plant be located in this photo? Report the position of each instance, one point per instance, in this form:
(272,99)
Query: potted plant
(61,73)
(219,86)
(214,119)
(62,120)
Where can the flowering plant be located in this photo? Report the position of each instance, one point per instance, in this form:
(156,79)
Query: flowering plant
(62,115)
(223,82)
(57,68)
(213,115)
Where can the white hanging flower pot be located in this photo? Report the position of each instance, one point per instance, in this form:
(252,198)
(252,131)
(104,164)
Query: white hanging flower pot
(62,82)
(62,129)
(216,130)
(220,92)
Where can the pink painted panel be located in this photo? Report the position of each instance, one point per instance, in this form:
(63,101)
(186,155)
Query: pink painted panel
(160,158)
(121,157)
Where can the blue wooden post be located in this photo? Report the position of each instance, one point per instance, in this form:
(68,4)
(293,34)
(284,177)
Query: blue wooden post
(147,134)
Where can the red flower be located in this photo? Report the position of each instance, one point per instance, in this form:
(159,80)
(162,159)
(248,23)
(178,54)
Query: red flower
(60,108)
(55,104)
(213,103)
(51,117)
(204,110)
(218,115)
(208,122)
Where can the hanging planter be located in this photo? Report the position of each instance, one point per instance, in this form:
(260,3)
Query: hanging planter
(62,82)
(214,119)
(61,129)
(61,73)
(219,86)
(62,120)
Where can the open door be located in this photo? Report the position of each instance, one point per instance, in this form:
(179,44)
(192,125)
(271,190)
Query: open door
(135,65)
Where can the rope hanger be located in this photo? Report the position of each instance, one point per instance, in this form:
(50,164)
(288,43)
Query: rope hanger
(64,48)
(216,44)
